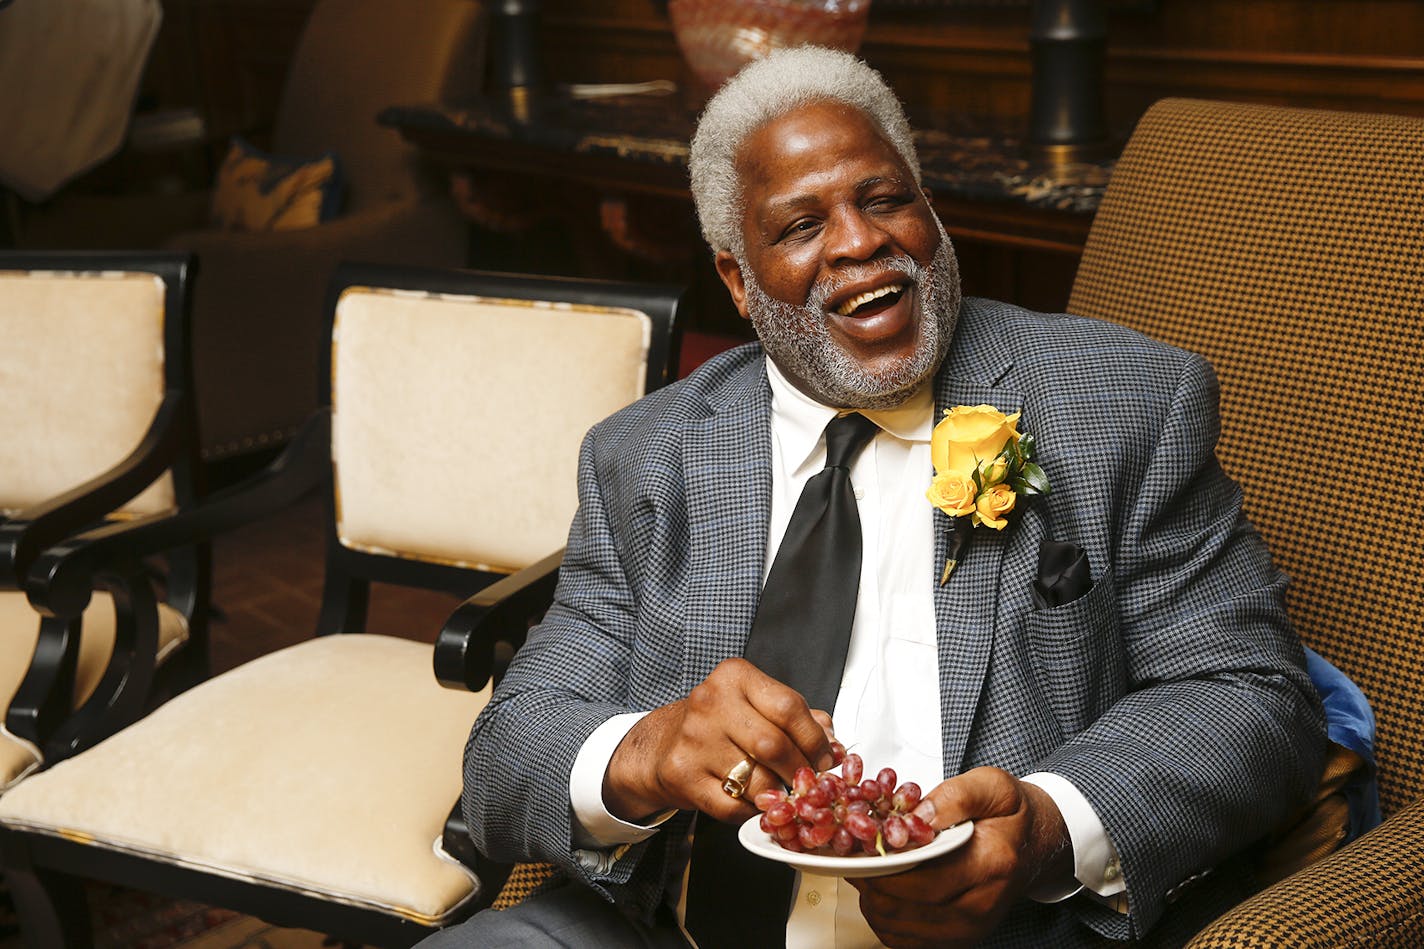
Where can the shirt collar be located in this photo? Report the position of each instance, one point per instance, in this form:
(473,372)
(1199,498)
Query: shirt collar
(799,419)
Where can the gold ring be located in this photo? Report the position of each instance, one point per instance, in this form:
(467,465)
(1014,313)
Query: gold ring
(735,784)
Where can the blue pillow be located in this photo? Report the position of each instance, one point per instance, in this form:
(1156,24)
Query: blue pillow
(1349,722)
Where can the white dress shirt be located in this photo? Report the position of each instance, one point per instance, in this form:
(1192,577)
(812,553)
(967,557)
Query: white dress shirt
(888,708)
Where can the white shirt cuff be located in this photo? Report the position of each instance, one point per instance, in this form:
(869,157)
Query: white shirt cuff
(1095,863)
(594,828)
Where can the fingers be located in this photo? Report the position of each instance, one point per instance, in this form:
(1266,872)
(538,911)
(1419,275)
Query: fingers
(795,739)
(974,795)
(767,720)
(738,713)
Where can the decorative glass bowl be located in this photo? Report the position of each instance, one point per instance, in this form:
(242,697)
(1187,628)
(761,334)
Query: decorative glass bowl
(718,37)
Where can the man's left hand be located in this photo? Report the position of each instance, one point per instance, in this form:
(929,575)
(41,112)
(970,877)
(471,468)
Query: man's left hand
(1019,838)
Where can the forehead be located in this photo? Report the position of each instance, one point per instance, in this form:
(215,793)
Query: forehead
(811,146)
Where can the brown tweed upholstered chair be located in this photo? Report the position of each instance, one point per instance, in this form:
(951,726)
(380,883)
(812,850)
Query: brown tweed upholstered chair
(96,383)
(1287,246)
(311,786)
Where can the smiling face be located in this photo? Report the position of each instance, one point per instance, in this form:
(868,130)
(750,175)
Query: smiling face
(845,271)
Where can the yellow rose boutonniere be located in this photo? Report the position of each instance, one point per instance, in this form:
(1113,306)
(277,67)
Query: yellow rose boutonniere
(982,465)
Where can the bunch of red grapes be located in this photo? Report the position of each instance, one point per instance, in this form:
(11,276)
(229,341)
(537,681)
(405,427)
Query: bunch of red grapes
(846,813)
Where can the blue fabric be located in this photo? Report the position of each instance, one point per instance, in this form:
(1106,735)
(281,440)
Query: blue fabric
(1349,722)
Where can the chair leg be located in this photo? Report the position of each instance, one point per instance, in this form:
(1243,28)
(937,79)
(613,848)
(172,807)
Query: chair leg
(52,907)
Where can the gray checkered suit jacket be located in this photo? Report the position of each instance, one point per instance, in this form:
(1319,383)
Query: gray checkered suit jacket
(1172,694)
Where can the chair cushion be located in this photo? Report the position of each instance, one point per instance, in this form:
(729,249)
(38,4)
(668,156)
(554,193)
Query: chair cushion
(326,767)
(256,191)
(21,628)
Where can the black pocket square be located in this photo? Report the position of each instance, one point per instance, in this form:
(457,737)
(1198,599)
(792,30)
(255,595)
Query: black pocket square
(1063,574)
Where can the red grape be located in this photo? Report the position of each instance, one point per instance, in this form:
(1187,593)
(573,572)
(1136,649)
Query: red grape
(845,813)
(766,799)
(862,826)
(782,812)
(897,835)
(920,832)
(907,796)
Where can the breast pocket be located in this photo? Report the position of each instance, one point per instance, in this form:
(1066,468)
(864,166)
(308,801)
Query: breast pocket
(1077,654)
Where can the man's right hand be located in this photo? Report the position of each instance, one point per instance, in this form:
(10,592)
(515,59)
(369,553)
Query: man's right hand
(678,755)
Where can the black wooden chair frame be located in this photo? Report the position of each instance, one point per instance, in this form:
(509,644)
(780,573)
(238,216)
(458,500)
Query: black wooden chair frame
(44,870)
(41,709)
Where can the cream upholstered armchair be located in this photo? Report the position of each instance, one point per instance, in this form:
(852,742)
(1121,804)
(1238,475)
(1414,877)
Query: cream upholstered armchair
(1287,246)
(96,384)
(452,407)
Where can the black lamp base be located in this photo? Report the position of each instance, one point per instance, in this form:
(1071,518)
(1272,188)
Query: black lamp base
(1068,42)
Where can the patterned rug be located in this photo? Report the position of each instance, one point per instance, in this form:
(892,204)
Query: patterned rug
(129,919)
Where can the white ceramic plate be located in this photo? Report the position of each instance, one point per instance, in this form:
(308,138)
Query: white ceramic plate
(760,843)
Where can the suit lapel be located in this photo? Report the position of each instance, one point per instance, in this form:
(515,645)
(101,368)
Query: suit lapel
(966,605)
(726,468)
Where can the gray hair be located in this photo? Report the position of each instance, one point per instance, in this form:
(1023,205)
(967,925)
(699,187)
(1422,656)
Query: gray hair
(766,89)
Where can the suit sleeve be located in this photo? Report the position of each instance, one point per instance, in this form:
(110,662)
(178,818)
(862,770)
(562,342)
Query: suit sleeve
(1220,735)
(569,677)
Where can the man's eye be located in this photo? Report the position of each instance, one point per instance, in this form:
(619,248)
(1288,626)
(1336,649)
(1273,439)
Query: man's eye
(887,202)
(800,228)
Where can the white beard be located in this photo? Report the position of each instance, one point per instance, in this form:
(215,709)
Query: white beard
(796,338)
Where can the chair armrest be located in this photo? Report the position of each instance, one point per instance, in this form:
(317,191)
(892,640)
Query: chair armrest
(501,612)
(41,711)
(23,536)
(1369,893)
(61,579)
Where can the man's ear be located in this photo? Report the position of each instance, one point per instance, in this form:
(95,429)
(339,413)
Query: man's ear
(929,196)
(731,273)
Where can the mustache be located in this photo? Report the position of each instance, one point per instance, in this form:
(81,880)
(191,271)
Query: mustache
(827,287)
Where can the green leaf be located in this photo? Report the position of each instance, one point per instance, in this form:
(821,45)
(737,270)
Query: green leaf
(1025,446)
(1034,477)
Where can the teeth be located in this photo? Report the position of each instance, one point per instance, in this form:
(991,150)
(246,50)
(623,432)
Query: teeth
(861,299)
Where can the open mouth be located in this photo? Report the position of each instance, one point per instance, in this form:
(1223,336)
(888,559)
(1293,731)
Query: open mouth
(871,301)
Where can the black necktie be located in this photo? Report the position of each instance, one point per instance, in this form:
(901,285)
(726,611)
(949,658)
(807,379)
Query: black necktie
(799,637)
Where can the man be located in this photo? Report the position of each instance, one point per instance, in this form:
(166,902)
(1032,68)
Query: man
(1114,751)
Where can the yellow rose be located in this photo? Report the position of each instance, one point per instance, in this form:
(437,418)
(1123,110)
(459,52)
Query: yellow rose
(994,470)
(968,435)
(992,505)
(953,494)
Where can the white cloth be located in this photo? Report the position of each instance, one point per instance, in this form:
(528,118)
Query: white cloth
(888,706)
(69,71)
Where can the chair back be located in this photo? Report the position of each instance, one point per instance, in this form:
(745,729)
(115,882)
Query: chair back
(96,379)
(355,58)
(459,401)
(1286,246)
(83,370)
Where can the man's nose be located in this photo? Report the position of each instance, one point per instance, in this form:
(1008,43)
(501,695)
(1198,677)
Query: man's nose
(852,236)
